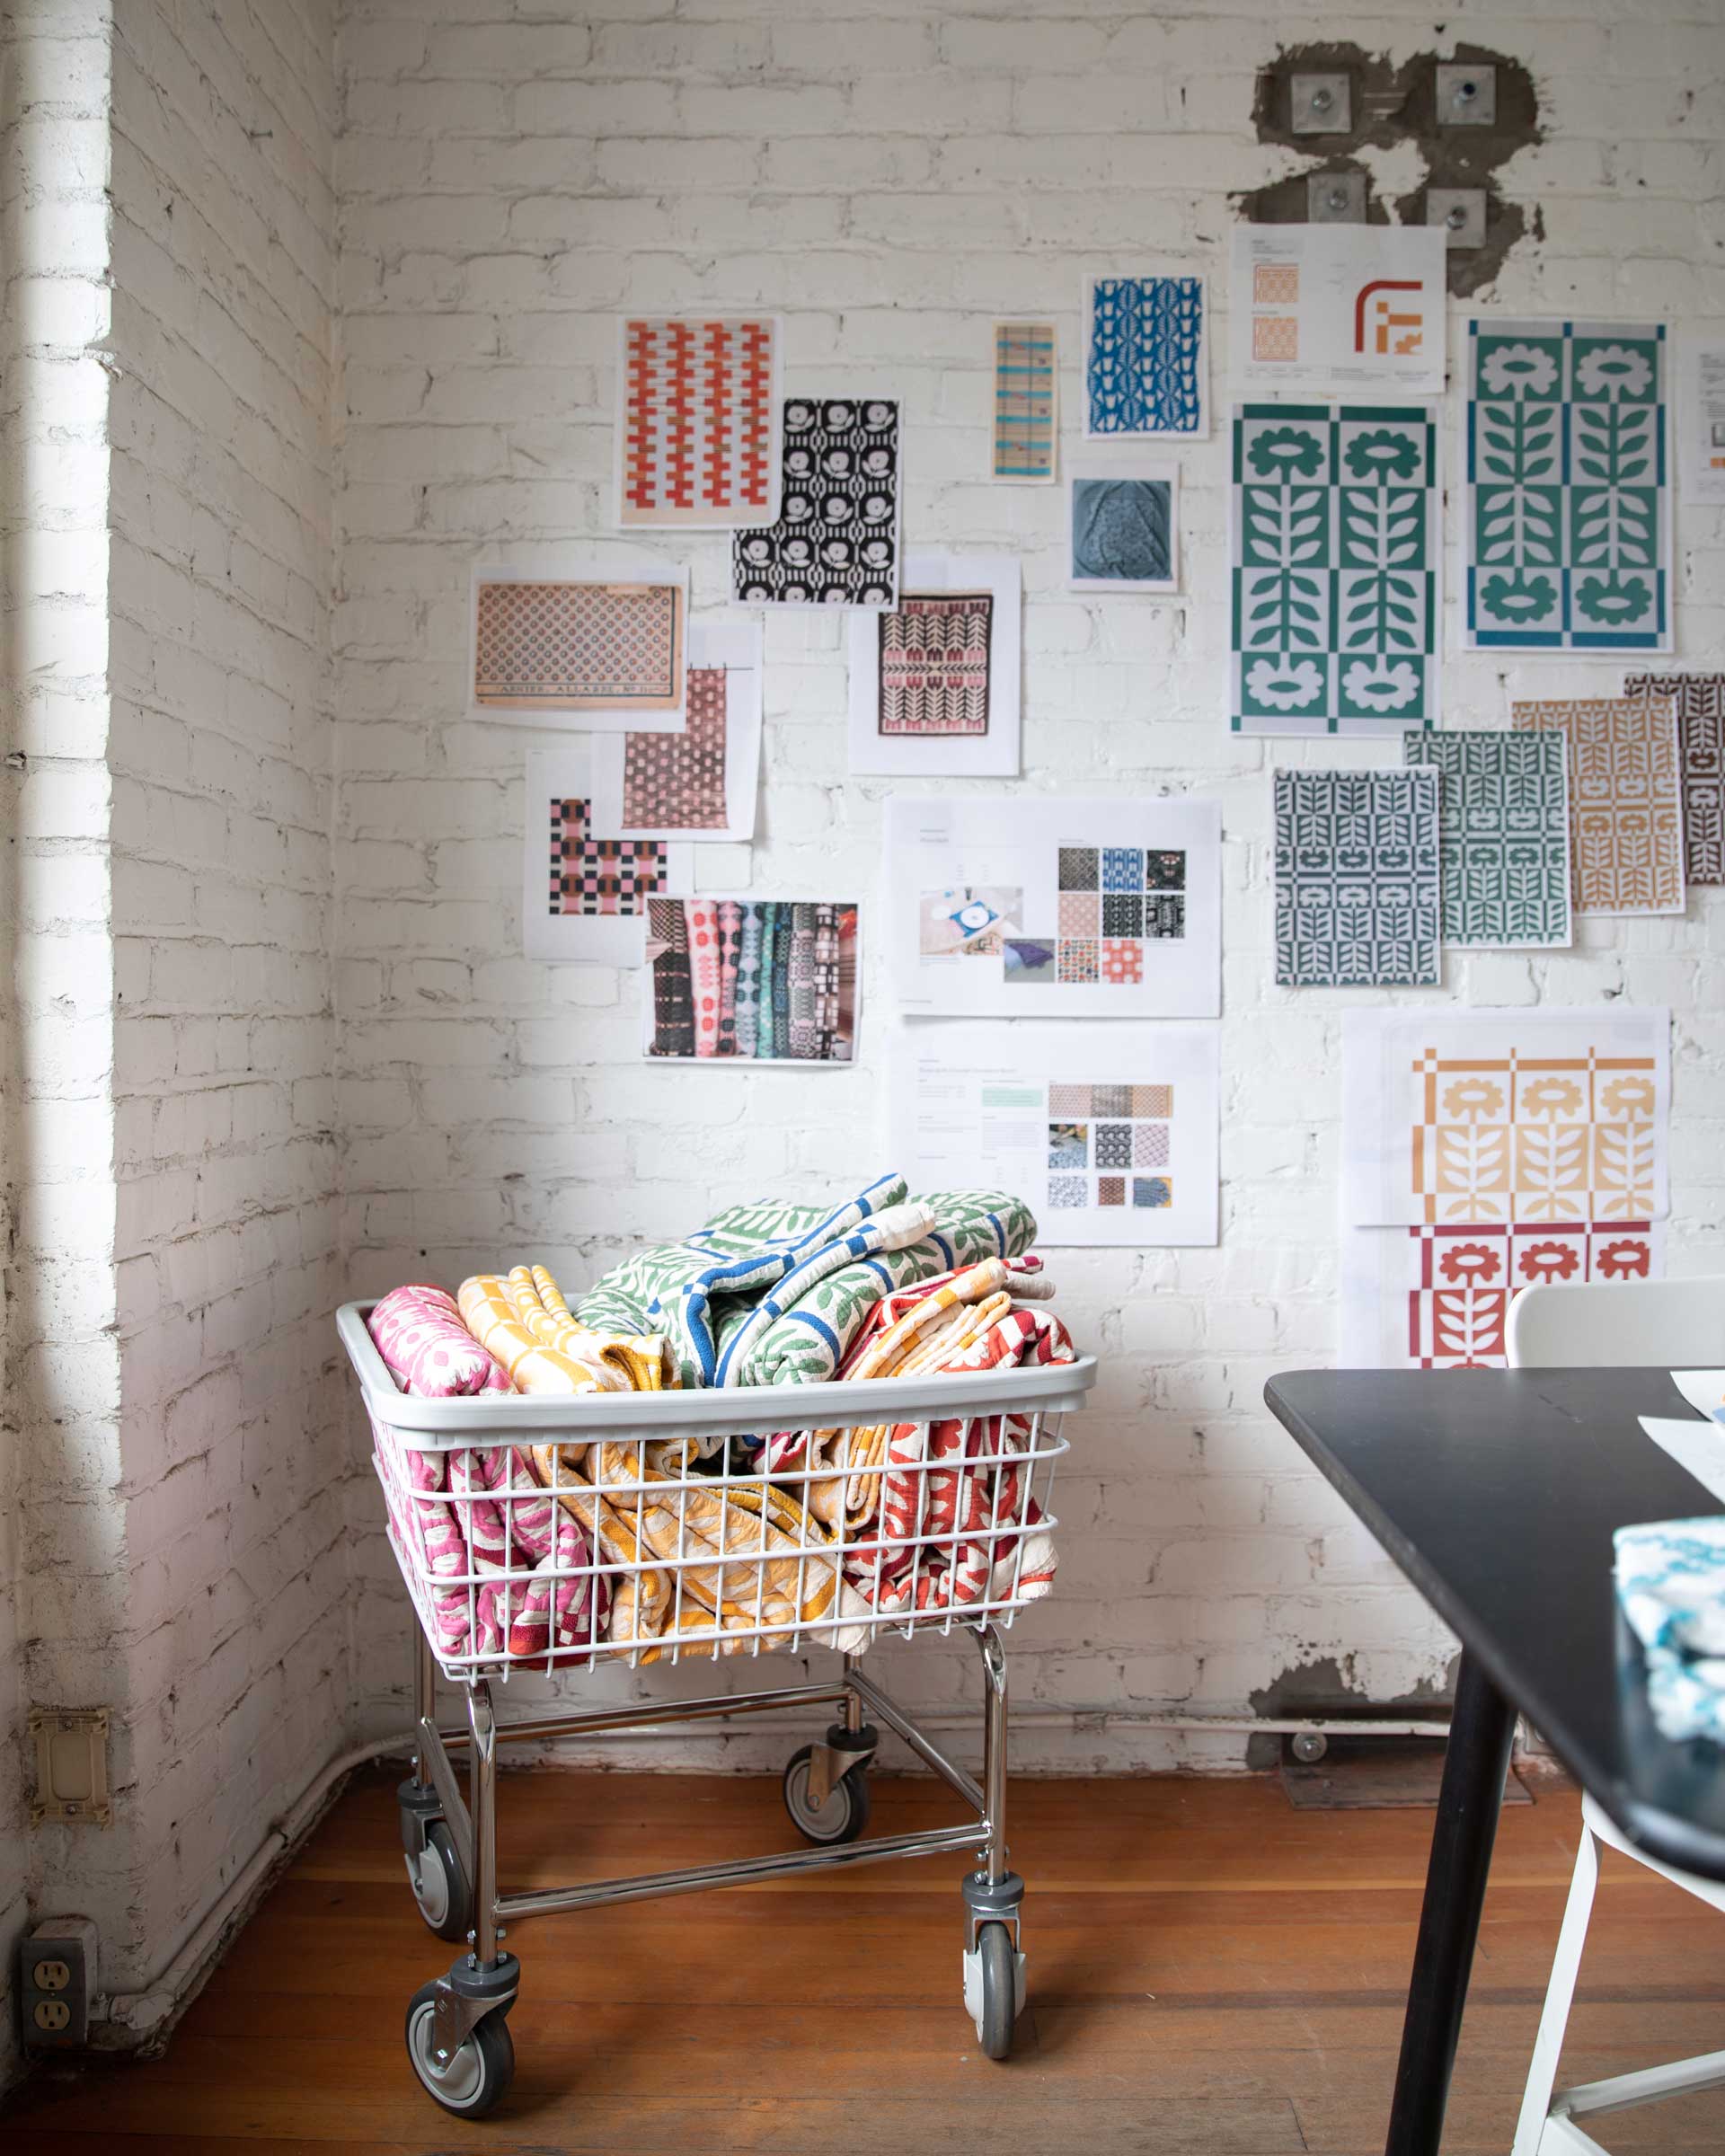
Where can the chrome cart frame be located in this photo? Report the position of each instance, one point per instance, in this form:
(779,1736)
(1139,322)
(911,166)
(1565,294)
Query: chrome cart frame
(457,2032)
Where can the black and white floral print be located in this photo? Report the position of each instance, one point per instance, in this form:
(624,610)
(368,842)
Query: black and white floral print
(836,540)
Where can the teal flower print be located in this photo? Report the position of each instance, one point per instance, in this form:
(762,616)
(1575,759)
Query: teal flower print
(1612,598)
(1384,453)
(1517,597)
(1280,451)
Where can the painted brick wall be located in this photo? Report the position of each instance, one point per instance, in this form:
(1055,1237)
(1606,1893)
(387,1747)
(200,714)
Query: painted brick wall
(235,1450)
(60,1597)
(891,176)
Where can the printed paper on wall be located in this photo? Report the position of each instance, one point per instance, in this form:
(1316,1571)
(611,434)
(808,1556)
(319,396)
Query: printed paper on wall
(1503,836)
(701,784)
(589,642)
(1114,911)
(1701,418)
(1568,540)
(1110,1131)
(1024,434)
(1338,309)
(1625,799)
(1147,357)
(1700,700)
(1123,526)
(1487,1151)
(753,980)
(835,539)
(934,679)
(1357,886)
(584,885)
(1337,549)
(697,430)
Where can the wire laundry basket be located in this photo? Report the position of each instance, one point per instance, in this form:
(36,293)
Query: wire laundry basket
(562,1533)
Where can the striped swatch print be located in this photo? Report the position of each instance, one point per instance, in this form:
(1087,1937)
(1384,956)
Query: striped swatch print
(1024,393)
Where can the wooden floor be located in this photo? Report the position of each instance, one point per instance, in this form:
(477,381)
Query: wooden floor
(1209,1971)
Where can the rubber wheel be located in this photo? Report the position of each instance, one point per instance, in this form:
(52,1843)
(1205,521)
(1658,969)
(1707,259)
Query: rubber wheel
(478,2076)
(440,1885)
(999,1989)
(845,1812)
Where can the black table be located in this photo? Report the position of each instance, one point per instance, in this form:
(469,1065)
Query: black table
(1496,1491)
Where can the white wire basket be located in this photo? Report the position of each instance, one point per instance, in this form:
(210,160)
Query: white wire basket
(550,1532)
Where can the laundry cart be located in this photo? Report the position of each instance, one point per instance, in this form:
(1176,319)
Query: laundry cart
(562,1533)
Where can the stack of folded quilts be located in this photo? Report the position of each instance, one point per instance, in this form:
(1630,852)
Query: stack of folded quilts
(1671,1589)
(549,1548)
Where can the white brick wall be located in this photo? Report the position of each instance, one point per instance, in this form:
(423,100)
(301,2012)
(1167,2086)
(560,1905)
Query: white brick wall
(890,175)
(235,1450)
(59,1447)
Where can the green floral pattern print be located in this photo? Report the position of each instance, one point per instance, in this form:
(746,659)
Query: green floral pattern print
(1569,537)
(1336,557)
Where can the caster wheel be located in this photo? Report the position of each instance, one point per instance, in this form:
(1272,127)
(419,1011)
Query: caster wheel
(845,1812)
(476,2079)
(440,1885)
(999,1991)
(1309,1746)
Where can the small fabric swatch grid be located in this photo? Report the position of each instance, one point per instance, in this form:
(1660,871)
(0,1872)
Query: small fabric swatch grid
(1503,836)
(1112,901)
(1357,879)
(1625,799)
(1098,1135)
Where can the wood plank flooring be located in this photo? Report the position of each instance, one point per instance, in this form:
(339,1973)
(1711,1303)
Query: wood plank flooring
(1210,1971)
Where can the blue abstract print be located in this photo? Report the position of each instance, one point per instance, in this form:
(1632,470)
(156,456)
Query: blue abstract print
(1145,356)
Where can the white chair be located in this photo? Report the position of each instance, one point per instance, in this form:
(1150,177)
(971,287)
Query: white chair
(1675,1325)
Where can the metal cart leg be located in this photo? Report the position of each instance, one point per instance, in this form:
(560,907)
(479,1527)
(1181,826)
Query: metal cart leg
(457,2032)
(993,1962)
(431,1835)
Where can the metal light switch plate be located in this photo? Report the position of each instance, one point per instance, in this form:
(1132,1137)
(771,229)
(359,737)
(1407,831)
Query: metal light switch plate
(1461,211)
(71,1765)
(1336,198)
(1466,95)
(1322,104)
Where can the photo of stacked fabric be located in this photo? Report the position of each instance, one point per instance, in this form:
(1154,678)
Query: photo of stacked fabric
(765,980)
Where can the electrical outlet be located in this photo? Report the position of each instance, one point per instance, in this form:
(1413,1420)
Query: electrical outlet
(56,1981)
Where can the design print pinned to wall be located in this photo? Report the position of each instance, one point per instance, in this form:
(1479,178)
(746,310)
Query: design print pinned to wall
(586,647)
(1108,908)
(1147,357)
(1569,502)
(1625,799)
(1700,700)
(835,539)
(585,886)
(934,680)
(701,784)
(1503,836)
(1336,548)
(1337,310)
(1026,414)
(1124,527)
(1357,890)
(1487,1151)
(749,979)
(1115,1130)
(697,428)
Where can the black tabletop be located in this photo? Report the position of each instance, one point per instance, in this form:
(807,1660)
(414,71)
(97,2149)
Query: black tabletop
(1496,1491)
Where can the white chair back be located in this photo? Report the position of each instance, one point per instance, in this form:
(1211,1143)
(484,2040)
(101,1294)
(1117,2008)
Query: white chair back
(1674,1324)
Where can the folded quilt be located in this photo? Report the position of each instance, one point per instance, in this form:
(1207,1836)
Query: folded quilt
(771,1293)
(1671,1588)
(508,1571)
(758,1557)
(526,1323)
(940,1543)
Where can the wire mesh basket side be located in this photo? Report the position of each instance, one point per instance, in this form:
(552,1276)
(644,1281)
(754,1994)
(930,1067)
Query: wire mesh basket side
(589,1548)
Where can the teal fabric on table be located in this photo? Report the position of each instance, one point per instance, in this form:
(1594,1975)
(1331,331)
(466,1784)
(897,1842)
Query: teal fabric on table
(1671,1587)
